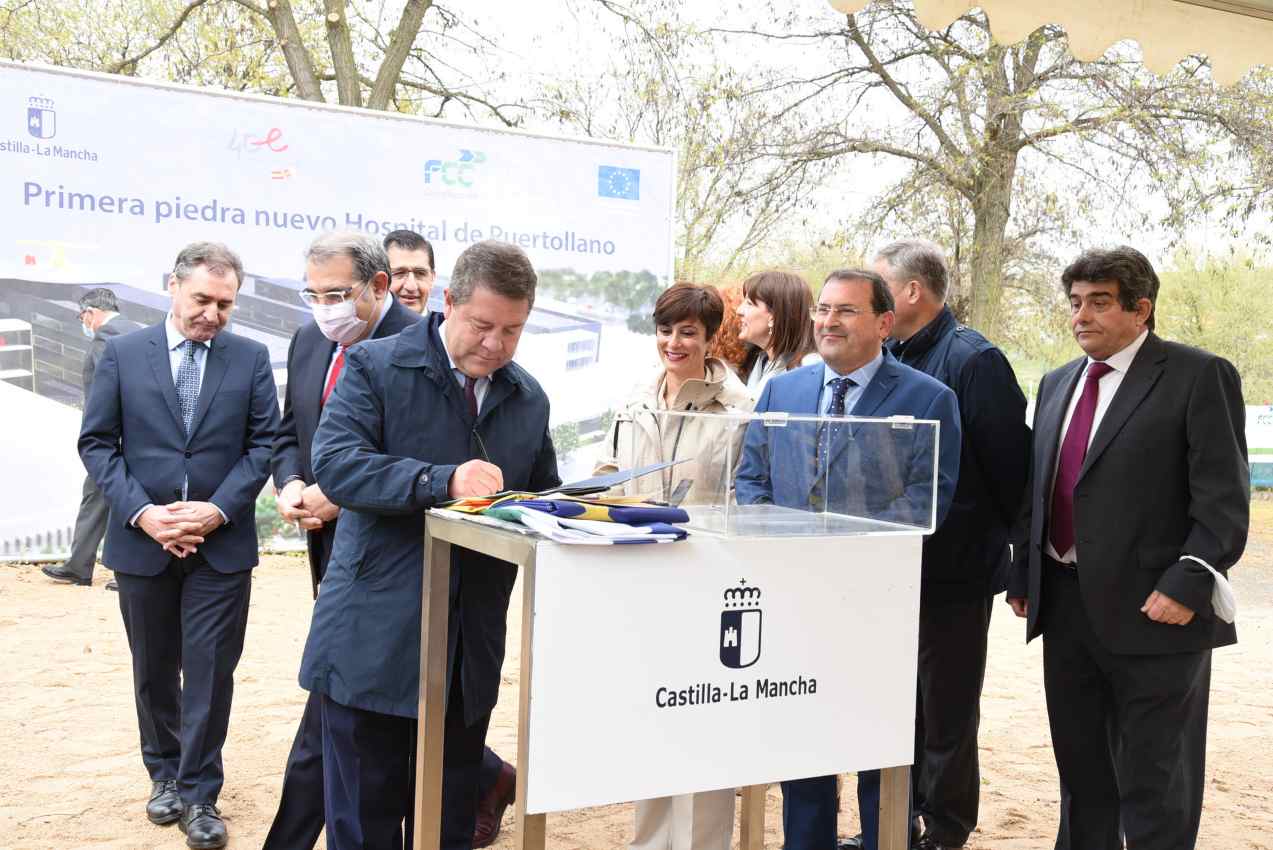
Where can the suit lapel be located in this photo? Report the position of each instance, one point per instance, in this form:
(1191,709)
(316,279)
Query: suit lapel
(1145,371)
(1050,418)
(878,390)
(868,404)
(157,354)
(312,379)
(213,371)
(501,386)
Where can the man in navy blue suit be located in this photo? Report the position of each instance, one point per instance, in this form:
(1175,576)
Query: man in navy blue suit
(177,434)
(347,286)
(851,320)
(438,412)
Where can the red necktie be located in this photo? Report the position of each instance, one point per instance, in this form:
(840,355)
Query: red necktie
(470,394)
(1073,451)
(337,365)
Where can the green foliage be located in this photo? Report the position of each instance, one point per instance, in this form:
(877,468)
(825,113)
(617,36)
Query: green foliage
(631,292)
(565,439)
(1223,306)
(269,524)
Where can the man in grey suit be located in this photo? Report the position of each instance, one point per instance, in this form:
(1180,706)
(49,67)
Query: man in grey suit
(100,320)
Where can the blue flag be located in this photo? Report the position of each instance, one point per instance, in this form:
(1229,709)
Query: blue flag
(615,182)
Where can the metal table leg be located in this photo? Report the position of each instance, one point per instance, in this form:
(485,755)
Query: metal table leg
(432,706)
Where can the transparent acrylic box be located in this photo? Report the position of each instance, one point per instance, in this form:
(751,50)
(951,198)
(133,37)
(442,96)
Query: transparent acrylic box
(785,475)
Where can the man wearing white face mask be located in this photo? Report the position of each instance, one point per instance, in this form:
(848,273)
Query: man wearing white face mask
(347,288)
(99,321)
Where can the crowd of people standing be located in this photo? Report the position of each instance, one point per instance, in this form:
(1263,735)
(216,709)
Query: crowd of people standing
(1109,524)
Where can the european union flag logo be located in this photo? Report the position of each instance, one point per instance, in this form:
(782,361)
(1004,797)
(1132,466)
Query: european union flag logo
(623,183)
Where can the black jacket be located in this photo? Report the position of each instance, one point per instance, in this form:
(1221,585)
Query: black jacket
(968,555)
(1165,476)
(308,358)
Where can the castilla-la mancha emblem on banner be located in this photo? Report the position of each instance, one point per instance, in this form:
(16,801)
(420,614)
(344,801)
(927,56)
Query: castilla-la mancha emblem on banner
(41,119)
(740,626)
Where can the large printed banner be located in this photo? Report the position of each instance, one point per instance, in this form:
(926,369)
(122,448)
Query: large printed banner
(103,179)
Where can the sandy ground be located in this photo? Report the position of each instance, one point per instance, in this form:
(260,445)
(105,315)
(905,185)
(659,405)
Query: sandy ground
(71,776)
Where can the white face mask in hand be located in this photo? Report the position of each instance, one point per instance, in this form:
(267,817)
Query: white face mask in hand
(339,322)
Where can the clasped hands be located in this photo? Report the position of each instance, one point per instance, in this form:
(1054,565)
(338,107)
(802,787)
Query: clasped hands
(1159,607)
(180,527)
(305,505)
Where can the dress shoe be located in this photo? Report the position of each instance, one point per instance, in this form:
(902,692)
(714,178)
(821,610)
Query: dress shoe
(165,804)
(202,824)
(490,809)
(62,574)
(856,843)
(928,842)
(112,585)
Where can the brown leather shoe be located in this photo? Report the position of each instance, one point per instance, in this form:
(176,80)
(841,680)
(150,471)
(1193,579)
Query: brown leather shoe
(490,809)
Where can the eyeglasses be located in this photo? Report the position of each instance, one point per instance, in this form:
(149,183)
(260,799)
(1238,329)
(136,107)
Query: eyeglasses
(330,298)
(844,314)
(400,275)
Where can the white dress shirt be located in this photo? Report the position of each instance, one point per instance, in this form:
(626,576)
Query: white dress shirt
(1109,383)
(175,339)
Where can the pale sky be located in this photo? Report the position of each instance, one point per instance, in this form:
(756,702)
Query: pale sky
(558,38)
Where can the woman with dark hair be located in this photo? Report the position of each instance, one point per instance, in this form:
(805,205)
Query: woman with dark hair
(775,321)
(686,318)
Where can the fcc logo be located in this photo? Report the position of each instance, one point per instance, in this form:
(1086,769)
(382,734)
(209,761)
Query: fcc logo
(41,119)
(454,172)
(740,626)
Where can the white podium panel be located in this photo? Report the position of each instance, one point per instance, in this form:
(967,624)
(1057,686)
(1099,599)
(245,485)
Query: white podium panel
(719,662)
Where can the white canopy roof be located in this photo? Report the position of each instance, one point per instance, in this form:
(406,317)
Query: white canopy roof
(1233,35)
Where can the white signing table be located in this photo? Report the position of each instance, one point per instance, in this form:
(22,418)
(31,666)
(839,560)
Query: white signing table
(716,662)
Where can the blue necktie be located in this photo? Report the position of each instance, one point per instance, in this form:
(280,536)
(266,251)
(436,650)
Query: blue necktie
(839,390)
(188,383)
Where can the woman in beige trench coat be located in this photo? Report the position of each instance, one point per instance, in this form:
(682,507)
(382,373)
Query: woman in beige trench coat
(685,317)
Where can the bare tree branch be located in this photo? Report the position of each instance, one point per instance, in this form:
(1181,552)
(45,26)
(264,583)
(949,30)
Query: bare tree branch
(128,65)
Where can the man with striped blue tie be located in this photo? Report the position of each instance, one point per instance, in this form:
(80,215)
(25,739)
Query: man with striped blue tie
(177,434)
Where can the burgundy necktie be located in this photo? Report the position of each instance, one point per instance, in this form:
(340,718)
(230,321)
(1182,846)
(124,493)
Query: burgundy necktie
(470,394)
(1073,451)
(337,365)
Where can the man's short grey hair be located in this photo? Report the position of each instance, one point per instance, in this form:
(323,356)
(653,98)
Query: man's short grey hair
(918,259)
(99,298)
(367,254)
(501,267)
(216,257)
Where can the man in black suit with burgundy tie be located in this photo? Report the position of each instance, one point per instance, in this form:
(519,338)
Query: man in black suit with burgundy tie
(1139,491)
(347,288)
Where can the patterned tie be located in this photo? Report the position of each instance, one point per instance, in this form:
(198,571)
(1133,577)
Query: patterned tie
(1073,451)
(337,365)
(470,394)
(188,383)
(839,389)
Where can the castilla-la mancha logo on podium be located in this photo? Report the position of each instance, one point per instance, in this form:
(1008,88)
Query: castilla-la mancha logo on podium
(740,626)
